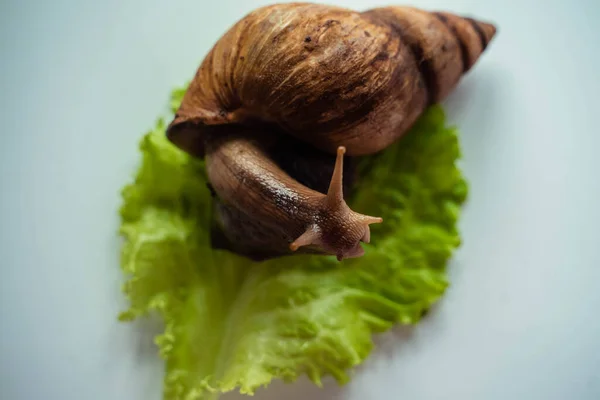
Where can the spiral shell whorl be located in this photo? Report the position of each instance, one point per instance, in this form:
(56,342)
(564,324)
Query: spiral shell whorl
(329,76)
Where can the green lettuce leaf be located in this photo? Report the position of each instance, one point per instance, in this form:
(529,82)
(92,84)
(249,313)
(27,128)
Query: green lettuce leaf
(233,324)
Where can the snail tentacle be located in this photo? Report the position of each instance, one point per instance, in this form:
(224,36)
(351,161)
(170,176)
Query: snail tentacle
(336,228)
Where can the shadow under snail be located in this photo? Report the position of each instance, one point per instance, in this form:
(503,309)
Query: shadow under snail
(290,89)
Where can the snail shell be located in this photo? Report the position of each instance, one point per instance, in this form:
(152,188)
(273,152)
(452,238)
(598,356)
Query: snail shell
(330,78)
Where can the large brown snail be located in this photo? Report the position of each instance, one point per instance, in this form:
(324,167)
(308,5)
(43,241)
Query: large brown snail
(287,88)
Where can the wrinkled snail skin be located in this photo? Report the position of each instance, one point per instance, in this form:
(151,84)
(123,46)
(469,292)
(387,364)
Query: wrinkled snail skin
(326,76)
(288,214)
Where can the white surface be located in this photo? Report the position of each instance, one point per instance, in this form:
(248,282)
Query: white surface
(82,80)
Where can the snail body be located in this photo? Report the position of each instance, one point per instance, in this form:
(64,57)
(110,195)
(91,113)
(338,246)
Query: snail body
(322,81)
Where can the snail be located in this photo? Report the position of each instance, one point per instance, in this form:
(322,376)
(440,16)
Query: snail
(289,90)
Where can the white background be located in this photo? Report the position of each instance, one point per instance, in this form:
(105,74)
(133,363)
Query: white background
(81,81)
